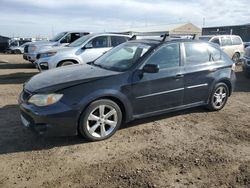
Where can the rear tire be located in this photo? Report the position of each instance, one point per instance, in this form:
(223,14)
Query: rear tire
(100,120)
(218,98)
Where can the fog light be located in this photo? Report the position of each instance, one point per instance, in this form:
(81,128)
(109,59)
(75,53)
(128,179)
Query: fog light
(44,66)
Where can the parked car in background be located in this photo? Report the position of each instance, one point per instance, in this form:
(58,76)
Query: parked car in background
(84,50)
(246,44)
(16,46)
(136,79)
(31,49)
(16,49)
(232,45)
(246,62)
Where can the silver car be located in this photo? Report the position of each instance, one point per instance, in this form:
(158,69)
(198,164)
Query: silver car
(31,49)
(84,50)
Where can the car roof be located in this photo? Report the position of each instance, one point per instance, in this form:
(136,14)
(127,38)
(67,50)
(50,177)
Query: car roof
(220,36)
(157,42)
(110,34)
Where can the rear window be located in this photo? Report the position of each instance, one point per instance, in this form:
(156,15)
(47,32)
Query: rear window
(215,53)
(196,53)
(226,41)
(216,41)
(236,41)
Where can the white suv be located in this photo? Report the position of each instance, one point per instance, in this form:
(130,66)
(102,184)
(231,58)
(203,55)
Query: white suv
(232,45)
(84,50)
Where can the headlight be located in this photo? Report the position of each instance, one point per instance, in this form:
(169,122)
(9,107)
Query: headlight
(45,99)
(47,54)
(32,48)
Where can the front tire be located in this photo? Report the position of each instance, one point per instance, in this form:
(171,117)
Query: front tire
(218,98)
(100,120)
(66,63)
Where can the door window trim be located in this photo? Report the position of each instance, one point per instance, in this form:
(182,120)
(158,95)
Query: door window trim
(157,48)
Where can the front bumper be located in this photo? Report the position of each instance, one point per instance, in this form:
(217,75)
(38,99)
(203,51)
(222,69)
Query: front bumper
(57,119)
(41,62)
(246,65)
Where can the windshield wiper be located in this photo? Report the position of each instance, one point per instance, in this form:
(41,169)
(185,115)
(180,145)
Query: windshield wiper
(97,65)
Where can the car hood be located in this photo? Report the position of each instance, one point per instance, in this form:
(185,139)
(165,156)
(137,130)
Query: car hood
(60,78)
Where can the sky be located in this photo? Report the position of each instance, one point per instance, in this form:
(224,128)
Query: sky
(45,18)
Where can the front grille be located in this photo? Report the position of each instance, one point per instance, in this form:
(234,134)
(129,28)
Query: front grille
(25,95)
(26,47)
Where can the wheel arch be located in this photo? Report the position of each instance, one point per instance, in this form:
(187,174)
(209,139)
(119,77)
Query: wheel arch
(70,59)
(117,97)
(227,82)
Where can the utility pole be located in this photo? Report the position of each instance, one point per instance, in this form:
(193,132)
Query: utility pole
(204,22)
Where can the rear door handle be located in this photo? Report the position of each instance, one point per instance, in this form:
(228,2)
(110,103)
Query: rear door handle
(213,70)
(178,76)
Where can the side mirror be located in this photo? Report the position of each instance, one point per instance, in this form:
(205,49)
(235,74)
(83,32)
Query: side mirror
(151,68)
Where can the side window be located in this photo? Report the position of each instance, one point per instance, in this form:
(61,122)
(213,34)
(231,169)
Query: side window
(116,40)
(66,39)
(216,41)
(74,36)
(99,42)
(215,53)
(196,53)
(226,41)
(166,56)
(236,40)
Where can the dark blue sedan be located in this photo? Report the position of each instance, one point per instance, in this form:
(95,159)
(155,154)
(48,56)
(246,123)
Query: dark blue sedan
(137,79)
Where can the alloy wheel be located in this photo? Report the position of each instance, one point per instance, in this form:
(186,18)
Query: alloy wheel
(102,121)
(219,97)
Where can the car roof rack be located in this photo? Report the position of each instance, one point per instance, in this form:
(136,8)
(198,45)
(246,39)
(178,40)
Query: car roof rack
(165,35)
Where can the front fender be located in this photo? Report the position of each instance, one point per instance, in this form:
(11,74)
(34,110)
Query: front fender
(55,61)
(107,93)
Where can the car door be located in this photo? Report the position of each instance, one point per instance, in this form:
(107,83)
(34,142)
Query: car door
(198,72)
(226,46)
(237,44)
(154,92)
(95,48)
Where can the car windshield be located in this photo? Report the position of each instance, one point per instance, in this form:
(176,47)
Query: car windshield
(205,38)
(122,57)
(80,41)
(58,37)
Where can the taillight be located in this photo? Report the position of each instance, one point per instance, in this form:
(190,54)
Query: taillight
(234,67)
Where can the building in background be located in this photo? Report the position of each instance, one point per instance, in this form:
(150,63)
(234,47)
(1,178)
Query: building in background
(183,29)
(242,30)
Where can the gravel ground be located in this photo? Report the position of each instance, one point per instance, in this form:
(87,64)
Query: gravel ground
(190,148)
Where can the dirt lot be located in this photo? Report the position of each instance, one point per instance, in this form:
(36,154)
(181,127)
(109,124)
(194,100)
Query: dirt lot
(191,148)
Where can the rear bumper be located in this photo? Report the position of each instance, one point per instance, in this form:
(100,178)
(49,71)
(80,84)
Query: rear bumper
(54,120)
